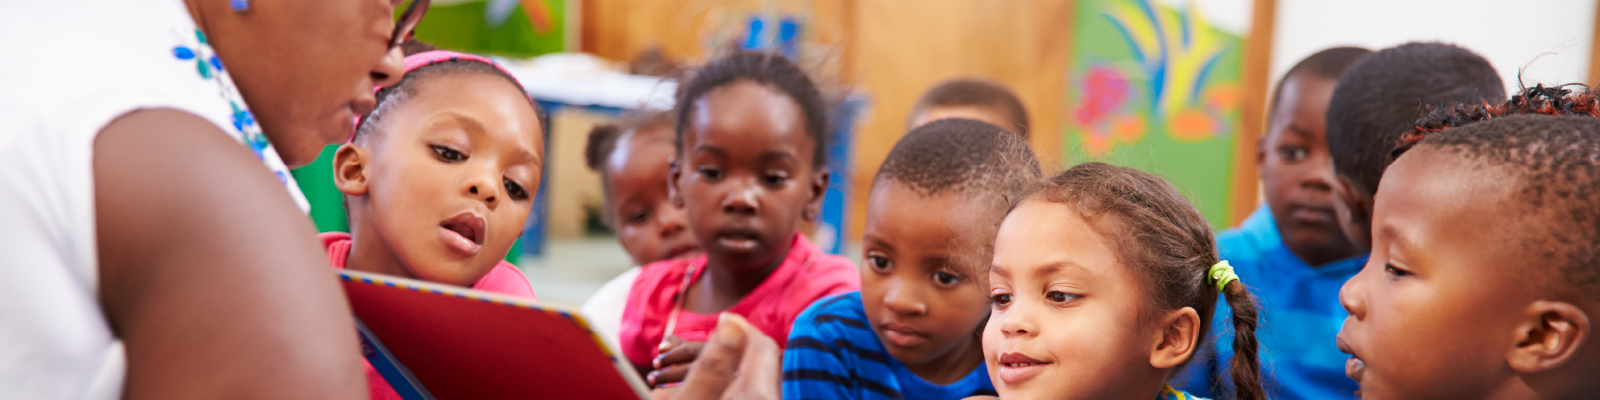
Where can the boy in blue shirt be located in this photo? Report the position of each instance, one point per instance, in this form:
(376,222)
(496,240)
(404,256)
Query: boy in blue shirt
(1377,97)
(912,331)
(1291,249)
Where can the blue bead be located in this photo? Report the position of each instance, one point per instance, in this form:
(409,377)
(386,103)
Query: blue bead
(239,5)
(182,53)
(216,64)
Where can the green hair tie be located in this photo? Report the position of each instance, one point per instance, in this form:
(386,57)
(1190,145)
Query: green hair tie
(1222,274)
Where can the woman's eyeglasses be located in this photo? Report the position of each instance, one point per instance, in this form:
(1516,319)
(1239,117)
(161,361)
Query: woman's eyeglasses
(406,25)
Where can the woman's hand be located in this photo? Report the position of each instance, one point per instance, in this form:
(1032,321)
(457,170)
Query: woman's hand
(739,362)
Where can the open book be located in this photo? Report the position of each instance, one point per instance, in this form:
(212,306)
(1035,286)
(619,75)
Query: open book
(433,341)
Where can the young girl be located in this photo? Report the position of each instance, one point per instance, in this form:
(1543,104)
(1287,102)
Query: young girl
(634,158)
(440,178)
(1483,281)
(749,169)
(912,331)
(1103,285)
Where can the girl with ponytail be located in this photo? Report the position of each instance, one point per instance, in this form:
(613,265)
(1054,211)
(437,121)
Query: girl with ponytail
(1103,285)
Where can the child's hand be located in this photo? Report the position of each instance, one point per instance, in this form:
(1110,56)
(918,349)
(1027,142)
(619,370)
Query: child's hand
(676,359)
(740,362)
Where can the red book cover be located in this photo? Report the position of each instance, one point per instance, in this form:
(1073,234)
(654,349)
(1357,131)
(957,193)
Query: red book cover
(460,343)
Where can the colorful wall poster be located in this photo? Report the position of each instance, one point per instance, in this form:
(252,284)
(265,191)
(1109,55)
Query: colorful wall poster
(1157,88)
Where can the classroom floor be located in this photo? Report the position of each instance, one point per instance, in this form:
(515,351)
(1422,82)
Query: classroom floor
(573,269)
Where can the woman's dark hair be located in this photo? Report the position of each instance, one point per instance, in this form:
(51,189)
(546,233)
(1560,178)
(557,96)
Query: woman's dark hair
(1169,246)
(768,69)
(1549,140)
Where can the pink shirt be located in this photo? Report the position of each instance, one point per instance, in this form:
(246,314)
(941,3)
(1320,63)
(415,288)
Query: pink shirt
(806,274)
(503,279)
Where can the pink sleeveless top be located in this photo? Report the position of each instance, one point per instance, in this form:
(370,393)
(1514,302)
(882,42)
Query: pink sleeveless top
(806,274)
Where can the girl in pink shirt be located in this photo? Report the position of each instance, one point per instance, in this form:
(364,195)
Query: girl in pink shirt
(440,178)
(749,169)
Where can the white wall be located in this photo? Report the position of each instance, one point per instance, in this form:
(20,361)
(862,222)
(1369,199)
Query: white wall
(1510,34)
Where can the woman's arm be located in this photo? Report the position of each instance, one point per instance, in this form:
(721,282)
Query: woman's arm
(209,273)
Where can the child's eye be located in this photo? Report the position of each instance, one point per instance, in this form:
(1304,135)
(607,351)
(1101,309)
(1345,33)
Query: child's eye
(1293,154)
(1000,300)
(711,173)
(774,180)
(1059,297)
(515,190)
(1395,271)
(945,279)
(637,218)
(878,263)
(447,154)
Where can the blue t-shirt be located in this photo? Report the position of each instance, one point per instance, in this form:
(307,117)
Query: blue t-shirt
(834,354)
(1300,316)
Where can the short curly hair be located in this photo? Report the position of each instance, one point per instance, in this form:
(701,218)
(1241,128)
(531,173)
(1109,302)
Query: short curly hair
(1381,96)
(962,156)
(1549,140)
(981,93)
(769,69)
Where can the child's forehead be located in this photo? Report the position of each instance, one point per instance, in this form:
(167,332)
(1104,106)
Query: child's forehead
(952,220)
(1433,203)
(745,142)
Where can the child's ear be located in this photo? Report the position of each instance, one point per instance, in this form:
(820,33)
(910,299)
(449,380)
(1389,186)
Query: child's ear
(1177,339)
(673,173)
(819,188)
(1355,204)
(1550,335)
(350,169)
(1261,152)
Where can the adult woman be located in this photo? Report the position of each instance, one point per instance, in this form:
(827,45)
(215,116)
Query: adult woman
(145,253)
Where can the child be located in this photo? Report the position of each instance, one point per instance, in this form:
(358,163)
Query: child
(1484,280)
(633,159)
(1378,99)
(439,179)
(1291,249)
(971,98)
(912,331)
(749,170)
(1103,285)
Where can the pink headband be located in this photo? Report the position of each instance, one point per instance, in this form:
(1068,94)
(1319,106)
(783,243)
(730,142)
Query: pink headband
(423,59)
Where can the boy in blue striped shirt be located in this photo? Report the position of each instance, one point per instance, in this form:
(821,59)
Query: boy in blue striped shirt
(912,331)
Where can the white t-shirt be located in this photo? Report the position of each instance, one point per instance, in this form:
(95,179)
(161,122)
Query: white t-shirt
(604,308)
(68,68)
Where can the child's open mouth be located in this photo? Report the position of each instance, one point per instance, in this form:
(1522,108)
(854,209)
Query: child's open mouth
(1354,367)
(739,240)
(1016,368)
(463,233)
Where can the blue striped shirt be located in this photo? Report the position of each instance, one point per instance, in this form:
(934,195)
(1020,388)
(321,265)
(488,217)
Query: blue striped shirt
(1300,316)
(834,354)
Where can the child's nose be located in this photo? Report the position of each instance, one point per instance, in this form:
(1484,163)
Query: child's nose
(742,201)
(671,219)
(1014,322)
(1353,295)
(901,300)
(1320,179)
(488,194)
